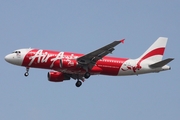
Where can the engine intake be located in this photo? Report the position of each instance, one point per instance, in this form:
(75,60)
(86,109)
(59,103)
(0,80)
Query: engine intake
(55,76)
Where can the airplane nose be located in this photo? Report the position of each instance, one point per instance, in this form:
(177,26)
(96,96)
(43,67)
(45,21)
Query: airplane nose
(13,59)
(8,58)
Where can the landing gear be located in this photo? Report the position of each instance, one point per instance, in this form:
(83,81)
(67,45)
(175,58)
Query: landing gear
(78,83)
(27,72)
(80,79)
(87,75)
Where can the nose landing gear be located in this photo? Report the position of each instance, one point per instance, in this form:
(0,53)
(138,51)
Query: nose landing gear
(27,72)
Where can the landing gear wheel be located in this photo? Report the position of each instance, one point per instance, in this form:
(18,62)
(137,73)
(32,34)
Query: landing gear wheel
(26,74)
(87,75)
(78,83)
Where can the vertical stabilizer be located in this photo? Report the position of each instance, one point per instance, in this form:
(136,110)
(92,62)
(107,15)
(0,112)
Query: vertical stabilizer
(156,51)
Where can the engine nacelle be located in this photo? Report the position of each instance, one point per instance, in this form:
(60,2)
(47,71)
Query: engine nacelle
(54,76)
(68,63)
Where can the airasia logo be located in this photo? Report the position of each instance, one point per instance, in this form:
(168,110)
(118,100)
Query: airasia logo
(45,57)
(133,68)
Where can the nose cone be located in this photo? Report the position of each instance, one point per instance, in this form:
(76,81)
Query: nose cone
(8,58)
(14,59)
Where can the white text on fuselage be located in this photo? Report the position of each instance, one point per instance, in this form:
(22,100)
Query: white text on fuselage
(44,57)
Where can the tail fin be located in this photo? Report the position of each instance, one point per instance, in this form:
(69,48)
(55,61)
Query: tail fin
(156,51)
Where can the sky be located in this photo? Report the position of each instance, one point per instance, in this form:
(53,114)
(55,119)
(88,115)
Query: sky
(84,26)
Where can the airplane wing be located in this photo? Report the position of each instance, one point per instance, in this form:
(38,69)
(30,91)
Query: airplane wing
(89,60)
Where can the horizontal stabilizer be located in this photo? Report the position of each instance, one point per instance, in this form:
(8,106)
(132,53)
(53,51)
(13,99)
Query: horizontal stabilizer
(161,63)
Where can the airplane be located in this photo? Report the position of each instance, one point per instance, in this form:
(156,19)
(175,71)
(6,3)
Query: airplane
(66,65)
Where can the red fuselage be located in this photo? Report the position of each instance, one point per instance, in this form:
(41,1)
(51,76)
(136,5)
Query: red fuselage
(48,59)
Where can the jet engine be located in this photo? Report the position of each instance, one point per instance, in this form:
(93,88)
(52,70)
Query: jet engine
(55,76)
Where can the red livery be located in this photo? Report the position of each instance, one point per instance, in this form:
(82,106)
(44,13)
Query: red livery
(66,65)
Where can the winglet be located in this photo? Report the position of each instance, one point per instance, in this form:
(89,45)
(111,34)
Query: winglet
(122,41)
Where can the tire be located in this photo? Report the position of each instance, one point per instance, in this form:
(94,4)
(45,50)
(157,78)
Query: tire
(26,74)
(87,75)
(78,83)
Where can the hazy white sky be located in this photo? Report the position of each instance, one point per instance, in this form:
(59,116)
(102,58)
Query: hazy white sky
(84,26)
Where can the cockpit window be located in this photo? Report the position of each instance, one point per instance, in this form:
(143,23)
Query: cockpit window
(16,52)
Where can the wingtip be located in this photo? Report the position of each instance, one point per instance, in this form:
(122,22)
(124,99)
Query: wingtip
(122,41)
(172,58)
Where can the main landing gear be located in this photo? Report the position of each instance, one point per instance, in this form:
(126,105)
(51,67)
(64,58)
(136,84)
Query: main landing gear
(79,83)
(27,72)
(87,75)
